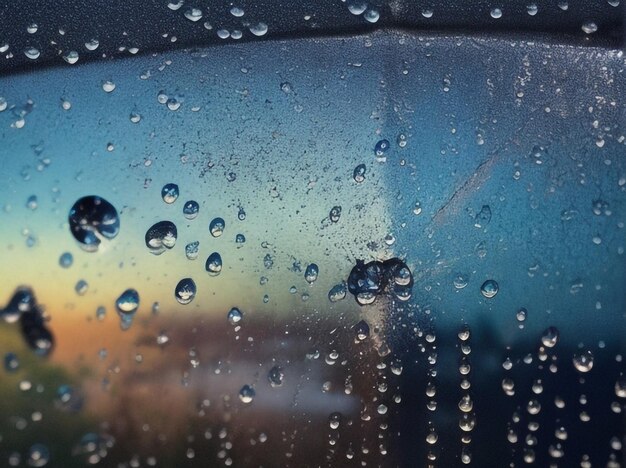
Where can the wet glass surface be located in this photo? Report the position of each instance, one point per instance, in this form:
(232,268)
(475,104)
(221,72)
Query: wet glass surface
(390,248)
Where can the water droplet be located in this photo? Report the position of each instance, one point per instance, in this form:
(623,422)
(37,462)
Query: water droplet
(71,57)
(31,202)
(185,291)
(11,362)
(583,362)
(92,44)
(32,53)
(223,33)
(169,193)
(213,264)
(93,219)
(362,330)
(359,173)
(483,217)
(521,315)
(135,117)
(69,399)
(489,289)
(192,250)
(236,12)
(311,273)
(357,8)
(81,287)
(380,149)
(128,302)
(460,280)
(32,28)
(38,455)
(240,239)
(334,420)
(427,13)
(191,209)
(371,16)
(101,313)
(366,281)
(260,29)
(108,86)
(532,9)
(241,214)
(550,337)
(161,236)
(193,14)
(337,292)
(589,27)
(496,13)
(234,316)
(335,214)
(217,226)
(246,394)
(276,376)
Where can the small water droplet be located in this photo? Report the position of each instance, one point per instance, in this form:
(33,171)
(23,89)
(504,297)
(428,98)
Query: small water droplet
(193,14)
(362,330)
(359,173)
(32,53)
(169,193)
(550,337)
(191,209)
(92,44)
(11,362)
(192,250)
(589,27)
(489,289)
(161,236)
(460,280)
(496,13)
(276,376)
(337,292)
(81,287)
(246,394)
(71,57)
(185,291)
(38,455)
(217,226)
(583,362)
(234,316)
(260,29)
(108,86)
(213,264)
(371,16)
(335,214)
(311,273)
(380,150)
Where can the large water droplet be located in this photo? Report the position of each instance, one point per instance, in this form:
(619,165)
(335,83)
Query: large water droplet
(489,289)
(185,291)
(93,219)
(169,193)
(213,264)
(32,53)
(161,236)
(381,149)
(216,227)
